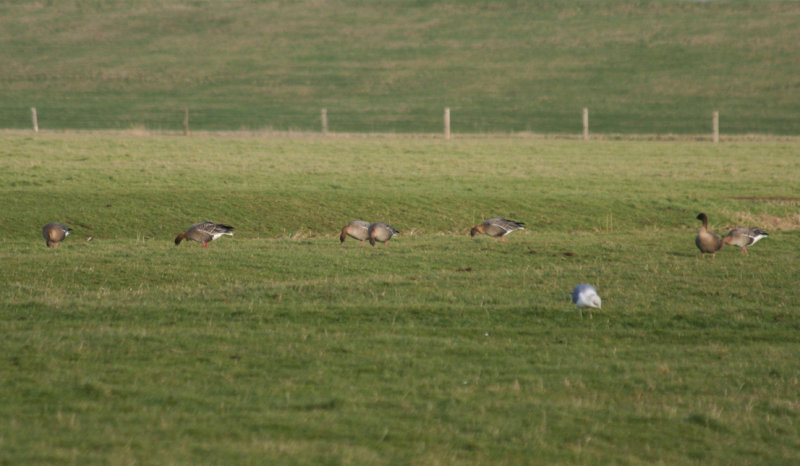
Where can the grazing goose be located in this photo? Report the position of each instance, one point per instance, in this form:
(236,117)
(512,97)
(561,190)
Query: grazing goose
(584,295)
(744,237)
(204,232)
(55,233)
(382,232)
(357,229)
(706,241)
(497,228)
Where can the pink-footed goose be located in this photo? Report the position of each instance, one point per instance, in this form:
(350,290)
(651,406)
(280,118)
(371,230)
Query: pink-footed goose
(381,232)
(497,228)
(204,232)
(744,237)
(357,229)
(707,241)
(54,233)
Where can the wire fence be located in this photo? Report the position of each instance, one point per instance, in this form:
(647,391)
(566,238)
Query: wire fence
(50,117)
(445,121)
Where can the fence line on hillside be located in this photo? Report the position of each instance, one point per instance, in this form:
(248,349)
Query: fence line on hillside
(585,124)
(447,123)
(447,128)
(35,120)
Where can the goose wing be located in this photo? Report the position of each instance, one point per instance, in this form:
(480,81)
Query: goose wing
(360,224)
(213,229)
(504,224)
(756,234)
(56,231)
(744,236)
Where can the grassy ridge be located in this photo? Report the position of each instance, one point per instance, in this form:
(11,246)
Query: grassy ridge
(280,345)
(392,66)
(129,186)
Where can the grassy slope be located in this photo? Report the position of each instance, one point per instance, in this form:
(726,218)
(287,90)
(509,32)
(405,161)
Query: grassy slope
(643,67)
(281,345)
(128,186)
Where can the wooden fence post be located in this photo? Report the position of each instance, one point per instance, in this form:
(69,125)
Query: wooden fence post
(715,127)
(35,120)
(186,121)
(324,121)
(585,124)
(447,123)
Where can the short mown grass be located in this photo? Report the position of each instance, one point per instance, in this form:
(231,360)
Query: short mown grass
(280,345)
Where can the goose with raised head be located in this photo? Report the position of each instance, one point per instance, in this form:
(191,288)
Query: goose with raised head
(497,228)
(585,295)
(54,233)
(744,237)
(357,229)
(380,232)
(706,241)
(204,232)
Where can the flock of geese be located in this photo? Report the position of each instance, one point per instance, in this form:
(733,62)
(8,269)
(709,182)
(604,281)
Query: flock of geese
(363,231)
(583,295)
(381,232)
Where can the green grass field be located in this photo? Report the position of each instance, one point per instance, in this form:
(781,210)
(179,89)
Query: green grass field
(643,67)
(280,345)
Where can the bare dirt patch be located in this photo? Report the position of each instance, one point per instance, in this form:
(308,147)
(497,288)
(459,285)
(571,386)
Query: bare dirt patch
(767,222)
(772,199)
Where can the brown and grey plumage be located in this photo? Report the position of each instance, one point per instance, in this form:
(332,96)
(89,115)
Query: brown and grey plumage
(497,228)
(707,241)
(744,237)
(381,232)
(204,232)
(357,229)
(55,233)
